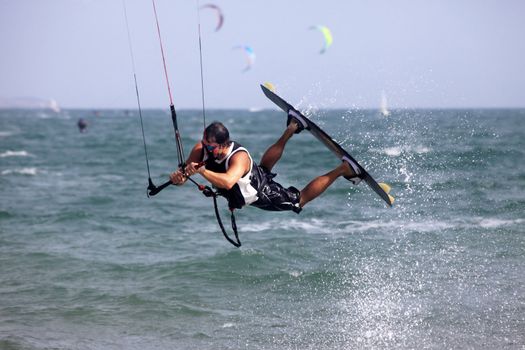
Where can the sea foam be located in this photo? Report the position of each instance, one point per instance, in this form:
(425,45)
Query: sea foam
(9,153)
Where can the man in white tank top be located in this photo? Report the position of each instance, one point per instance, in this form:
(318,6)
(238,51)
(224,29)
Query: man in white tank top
(230,168)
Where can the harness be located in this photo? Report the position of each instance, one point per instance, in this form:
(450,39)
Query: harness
(209,192)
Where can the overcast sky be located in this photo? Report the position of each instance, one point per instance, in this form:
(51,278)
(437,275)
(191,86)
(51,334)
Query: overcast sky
(421,53)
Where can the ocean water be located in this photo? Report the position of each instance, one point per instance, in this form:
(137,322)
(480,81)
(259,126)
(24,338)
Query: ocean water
(87,261)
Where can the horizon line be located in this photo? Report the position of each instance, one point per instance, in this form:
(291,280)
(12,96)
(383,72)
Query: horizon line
(256,109)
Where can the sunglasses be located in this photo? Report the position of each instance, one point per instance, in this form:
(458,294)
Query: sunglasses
(209,148)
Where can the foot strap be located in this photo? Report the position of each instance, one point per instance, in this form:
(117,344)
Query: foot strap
(356,179)
(301,123)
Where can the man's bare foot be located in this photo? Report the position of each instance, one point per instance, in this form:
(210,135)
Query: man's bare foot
(293,126)
(294,117)
(346,170)
(350,171)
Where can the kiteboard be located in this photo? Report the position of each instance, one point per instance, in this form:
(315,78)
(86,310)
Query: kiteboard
(381,189)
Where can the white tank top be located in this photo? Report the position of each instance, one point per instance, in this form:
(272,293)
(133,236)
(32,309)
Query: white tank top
(248,192)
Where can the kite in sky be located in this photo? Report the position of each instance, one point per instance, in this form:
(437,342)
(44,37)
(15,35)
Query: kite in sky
(250,56)
(327,35)
(218,11)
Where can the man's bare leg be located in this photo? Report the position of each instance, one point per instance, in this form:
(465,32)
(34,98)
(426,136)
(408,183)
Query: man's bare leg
(275,151)
(321,183)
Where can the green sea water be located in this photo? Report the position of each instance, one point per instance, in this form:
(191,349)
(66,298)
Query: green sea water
(87,261)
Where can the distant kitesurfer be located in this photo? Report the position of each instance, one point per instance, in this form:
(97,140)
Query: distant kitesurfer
(229,167)
(82,125)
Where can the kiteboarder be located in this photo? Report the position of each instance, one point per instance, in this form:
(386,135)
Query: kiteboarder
(229,167)
(82,125)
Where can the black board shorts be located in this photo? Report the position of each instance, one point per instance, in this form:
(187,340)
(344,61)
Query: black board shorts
(274,197)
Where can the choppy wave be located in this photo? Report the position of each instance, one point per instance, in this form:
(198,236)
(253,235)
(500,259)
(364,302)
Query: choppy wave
(88,261)
(309,225)
(9,153)
(396,151)
(428,225)
(21,171)
(496,223)
(316,226)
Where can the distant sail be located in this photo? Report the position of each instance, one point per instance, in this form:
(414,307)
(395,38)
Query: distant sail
(384,108)
(53,105)
(29,103)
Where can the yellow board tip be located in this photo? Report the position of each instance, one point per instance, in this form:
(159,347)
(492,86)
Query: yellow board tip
(385,187)
(269,86)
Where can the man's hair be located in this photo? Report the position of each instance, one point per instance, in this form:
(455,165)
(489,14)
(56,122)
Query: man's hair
(217,132)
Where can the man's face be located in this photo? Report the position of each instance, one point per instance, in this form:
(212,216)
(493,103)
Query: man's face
(213,149)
